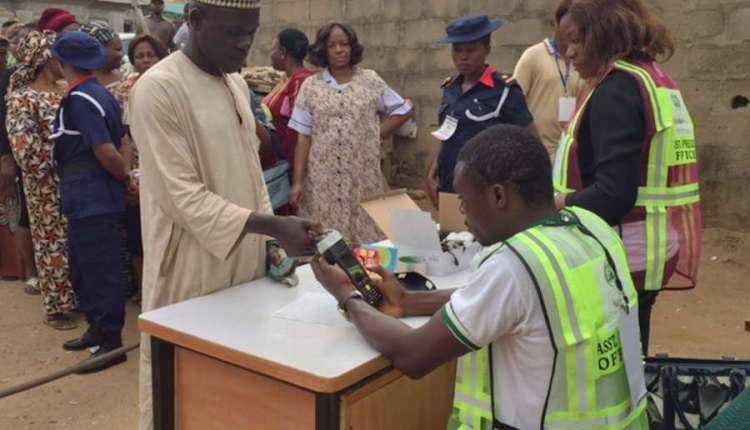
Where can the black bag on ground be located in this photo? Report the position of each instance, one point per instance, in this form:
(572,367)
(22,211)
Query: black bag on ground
(698,394)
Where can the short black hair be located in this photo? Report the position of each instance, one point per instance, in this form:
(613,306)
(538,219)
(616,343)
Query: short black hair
(8,23)
(319,50)
(295,43)
(506,153)
(156,44)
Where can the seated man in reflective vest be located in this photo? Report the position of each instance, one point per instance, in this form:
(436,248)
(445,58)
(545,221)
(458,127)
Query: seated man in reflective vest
(547,327)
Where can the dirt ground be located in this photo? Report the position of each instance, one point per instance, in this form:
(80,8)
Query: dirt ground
(706,322)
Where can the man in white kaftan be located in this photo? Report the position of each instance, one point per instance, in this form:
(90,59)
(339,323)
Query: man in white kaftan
(204,204)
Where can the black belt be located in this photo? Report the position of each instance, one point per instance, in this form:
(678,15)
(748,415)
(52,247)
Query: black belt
(88,165)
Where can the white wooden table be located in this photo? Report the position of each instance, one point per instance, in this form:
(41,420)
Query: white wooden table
(227,360)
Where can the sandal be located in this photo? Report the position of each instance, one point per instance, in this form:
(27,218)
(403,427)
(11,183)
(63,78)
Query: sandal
(60,322)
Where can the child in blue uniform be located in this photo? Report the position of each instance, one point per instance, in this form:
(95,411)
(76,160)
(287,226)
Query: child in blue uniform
(88,132)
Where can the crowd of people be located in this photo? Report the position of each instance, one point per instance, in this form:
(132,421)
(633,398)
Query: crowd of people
(77,230)
(174,150)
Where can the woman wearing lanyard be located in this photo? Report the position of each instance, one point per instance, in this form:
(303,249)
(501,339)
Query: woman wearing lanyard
(628,154)
(474,99)
(550,84)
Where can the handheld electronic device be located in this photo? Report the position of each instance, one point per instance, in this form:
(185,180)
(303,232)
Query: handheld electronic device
(335,250)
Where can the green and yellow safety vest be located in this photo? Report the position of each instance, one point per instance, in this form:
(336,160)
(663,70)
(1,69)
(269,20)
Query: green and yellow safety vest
(579,269)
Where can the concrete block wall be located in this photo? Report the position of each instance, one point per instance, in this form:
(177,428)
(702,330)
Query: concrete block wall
(712,66)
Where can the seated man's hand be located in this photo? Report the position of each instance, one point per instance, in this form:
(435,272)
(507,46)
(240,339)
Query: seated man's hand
(332,278)
(393,292)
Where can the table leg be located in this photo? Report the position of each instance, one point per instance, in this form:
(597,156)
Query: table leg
(162,379)
(327,411)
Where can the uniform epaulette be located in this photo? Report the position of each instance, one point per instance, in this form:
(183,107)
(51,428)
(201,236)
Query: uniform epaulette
(448,81)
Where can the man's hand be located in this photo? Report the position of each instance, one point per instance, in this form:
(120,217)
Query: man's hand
(295,234)
(332,278)
(393,292)
(8,172)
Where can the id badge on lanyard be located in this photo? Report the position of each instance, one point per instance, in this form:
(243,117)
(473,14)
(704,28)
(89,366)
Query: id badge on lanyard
(566,105)
(566,108)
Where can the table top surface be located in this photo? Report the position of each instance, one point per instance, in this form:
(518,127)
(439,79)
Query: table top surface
(238,325)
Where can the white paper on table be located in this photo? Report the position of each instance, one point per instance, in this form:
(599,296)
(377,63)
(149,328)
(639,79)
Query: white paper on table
(315,308)
(415,234)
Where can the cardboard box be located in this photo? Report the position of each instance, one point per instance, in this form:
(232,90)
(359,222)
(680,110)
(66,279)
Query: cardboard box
(414,233)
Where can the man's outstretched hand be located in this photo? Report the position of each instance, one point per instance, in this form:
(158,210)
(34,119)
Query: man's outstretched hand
(295,234)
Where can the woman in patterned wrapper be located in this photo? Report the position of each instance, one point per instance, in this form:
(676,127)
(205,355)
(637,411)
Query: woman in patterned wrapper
(337,159)
(33,99)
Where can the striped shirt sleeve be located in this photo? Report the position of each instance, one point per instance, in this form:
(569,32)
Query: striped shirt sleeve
(456,328)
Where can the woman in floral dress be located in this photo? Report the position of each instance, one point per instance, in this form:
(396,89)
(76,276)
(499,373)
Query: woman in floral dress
(337,159)
(33,99)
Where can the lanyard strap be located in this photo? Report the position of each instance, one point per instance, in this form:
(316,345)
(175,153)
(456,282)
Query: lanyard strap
(564,78)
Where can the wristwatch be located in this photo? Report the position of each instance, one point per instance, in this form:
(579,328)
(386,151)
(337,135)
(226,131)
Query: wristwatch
(342,304)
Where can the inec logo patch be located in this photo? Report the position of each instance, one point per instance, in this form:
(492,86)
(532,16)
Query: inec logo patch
(609,275)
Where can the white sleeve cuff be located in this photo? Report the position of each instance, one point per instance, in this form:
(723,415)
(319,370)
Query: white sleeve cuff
(301,121)
(390,103)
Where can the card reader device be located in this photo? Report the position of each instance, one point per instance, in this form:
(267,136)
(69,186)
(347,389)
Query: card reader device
(332,246)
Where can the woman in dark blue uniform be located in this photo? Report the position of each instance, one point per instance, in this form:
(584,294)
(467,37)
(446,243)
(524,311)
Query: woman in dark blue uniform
(88,132)
(474,99)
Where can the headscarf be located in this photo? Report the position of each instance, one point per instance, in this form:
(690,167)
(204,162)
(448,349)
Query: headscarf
(101,31)
(55,19)
(33,53)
